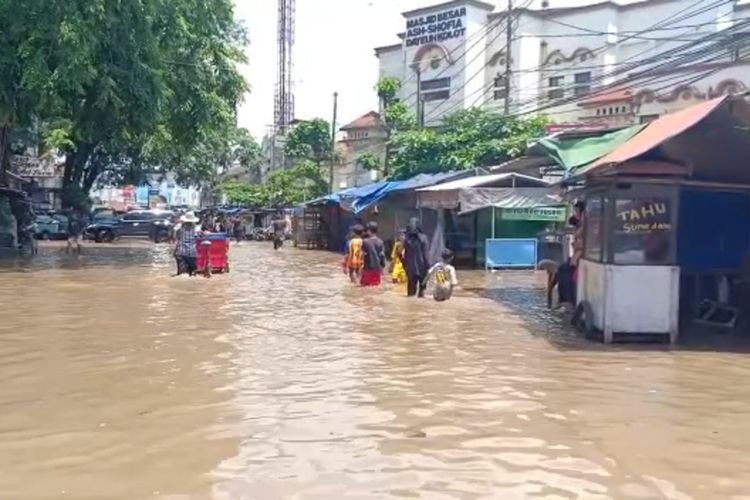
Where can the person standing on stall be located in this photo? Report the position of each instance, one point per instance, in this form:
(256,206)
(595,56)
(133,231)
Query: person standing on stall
(416,260)
(373,250)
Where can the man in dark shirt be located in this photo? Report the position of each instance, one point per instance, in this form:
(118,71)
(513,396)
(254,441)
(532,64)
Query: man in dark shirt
(416,261)
(373,251)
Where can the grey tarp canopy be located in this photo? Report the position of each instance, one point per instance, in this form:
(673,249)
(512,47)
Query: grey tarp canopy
(474,199)
(447,195)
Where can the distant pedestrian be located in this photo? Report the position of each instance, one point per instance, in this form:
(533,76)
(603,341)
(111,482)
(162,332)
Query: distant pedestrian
(416,260)
(75,230)
(354,255)
(373,257)
(279,230)
(443,277)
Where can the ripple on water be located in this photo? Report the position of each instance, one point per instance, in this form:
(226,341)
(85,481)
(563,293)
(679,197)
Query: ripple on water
(280,380)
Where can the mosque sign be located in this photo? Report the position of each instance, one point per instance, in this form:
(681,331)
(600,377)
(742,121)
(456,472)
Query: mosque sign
(432,28)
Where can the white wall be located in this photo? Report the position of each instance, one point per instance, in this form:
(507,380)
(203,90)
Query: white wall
(605,36)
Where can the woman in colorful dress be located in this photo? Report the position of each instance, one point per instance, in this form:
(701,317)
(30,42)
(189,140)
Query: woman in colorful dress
(398,273)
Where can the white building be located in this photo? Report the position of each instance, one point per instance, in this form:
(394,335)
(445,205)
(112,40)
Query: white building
(579,65)
(365,135)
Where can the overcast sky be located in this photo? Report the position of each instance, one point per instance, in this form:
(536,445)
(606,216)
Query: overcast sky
(333,52)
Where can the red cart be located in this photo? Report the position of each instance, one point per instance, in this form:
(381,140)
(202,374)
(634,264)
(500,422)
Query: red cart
(213,248)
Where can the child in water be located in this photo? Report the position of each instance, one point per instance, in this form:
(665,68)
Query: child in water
(398,272)
(354,257)
(443,275)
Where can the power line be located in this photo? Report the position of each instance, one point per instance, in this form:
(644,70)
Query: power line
(484,66)
(664,56)
(686,14)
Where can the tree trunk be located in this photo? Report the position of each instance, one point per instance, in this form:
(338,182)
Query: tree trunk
(4,156)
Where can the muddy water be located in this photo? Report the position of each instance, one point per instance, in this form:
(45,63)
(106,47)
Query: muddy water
(281,381)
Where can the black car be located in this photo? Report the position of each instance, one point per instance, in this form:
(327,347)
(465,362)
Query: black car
(153,224)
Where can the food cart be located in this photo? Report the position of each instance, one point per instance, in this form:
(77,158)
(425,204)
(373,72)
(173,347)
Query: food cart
(628,280)
(665,228)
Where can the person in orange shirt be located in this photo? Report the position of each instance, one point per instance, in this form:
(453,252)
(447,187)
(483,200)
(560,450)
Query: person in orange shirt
(354,260)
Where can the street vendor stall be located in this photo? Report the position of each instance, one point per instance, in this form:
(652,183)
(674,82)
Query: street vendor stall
(666,227)
(495,220)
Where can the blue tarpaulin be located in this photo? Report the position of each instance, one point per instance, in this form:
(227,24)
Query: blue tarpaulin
(416,182)
(358,199)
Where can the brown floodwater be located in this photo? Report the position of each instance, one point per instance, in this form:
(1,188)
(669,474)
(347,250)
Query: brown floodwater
(282,381)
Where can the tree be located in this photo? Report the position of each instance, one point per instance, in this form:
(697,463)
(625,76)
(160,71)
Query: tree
(283,187)
(248,153)
(369,161)
(310,140)
(122,87)
(395,114)
(470,138)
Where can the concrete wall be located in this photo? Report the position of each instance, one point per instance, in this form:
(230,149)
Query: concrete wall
(601,39)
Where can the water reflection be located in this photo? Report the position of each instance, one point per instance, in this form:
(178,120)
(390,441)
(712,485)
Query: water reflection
(281,381)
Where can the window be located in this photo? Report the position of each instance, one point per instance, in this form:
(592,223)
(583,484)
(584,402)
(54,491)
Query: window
(435,90)
(593,230)
(643,231)
(582,83)
(648,118)
(501,88)
(555,87)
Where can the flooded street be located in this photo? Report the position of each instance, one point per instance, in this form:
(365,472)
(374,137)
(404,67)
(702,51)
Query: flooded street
(280,380)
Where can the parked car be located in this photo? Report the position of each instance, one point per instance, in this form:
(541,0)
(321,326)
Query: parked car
(50,227)
(153,224)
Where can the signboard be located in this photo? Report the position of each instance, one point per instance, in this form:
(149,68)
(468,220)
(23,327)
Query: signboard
(642,216)
(554,128)
(549,214)
(32,166)
(431,28)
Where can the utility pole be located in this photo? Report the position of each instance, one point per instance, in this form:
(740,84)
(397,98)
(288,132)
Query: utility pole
(508,39)
(333,141)
(420,104)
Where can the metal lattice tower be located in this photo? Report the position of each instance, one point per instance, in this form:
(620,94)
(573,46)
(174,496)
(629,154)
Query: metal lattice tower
(284,98)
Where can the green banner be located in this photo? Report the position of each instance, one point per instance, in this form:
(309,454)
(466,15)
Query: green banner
(550,214)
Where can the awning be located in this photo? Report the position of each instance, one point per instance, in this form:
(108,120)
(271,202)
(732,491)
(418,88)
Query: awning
(483,180)
(572,152)
(446,195)
(657,132)
(507,198)
(416,182)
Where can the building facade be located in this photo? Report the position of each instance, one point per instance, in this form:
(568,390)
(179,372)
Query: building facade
(363,136)
(603,63)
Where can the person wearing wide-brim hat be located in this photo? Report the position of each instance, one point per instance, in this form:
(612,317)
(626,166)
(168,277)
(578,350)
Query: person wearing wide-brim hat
(185,251)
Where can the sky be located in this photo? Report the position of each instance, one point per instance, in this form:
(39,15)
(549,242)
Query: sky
(333,52)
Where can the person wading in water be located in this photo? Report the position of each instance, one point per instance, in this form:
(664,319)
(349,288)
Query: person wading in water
(416,260)
(278,227)
(186,251)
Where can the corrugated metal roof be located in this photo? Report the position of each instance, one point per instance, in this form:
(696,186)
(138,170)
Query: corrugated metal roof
(657,132)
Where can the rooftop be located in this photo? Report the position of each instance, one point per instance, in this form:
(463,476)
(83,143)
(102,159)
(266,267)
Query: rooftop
(368,120)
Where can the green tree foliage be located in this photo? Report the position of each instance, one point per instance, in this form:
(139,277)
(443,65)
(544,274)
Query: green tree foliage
(469,138)
(284,187)
(123,86)
(369,161)
(310,140)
